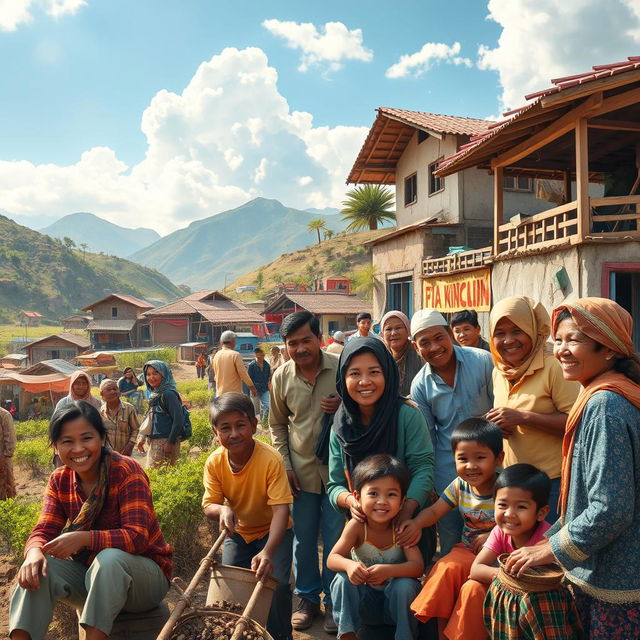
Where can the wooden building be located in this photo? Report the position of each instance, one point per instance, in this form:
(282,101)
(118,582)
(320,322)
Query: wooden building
(336,311)
(63,346)
(116,322)
(76,321)
(583,135)
(433,213)
(198,317)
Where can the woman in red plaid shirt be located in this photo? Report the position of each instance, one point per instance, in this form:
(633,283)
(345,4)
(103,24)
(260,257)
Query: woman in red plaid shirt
(97,544)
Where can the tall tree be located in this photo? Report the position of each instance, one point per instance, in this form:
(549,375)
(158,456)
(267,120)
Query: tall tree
(367,206)
(317,225)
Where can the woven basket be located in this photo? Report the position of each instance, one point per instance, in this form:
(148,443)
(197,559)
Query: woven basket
(198,620)
(546,577)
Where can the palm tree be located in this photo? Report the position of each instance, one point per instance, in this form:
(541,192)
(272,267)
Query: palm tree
(317,225)
(364,280)
(328,234)
(84,246)
(367,206)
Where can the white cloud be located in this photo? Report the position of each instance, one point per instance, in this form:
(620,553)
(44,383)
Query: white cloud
(544,39)
(333,45)
(228,137)
(14,13)
(421,61)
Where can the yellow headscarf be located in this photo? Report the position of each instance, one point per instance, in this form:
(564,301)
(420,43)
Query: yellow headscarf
(533,319)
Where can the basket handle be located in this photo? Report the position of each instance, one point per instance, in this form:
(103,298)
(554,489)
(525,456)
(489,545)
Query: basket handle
(243,622)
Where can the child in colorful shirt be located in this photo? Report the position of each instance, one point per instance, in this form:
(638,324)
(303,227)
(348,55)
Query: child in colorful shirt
(477,452)
(375,579)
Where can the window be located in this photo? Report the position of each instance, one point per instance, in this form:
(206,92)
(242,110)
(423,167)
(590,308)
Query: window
(435,184)
(517,183)
(410,189)
(114,312)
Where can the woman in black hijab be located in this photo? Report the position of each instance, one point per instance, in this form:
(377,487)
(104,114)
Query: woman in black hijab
(375,418)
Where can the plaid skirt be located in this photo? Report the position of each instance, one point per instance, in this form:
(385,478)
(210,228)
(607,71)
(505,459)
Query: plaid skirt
(545,615)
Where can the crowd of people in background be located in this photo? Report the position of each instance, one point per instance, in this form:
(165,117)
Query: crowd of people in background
(506,455)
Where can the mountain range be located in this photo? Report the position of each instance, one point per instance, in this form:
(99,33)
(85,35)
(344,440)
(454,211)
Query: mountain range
(100,235)
(40,273)
(216,250)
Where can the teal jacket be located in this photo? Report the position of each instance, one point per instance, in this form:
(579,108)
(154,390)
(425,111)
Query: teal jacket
(414,449)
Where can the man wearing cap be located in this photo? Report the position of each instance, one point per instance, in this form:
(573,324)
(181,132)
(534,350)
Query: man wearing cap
(229,371)
(338,343)
(454,385)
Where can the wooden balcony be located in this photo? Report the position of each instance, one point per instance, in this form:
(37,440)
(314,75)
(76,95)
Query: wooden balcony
(456,262)
(560,225)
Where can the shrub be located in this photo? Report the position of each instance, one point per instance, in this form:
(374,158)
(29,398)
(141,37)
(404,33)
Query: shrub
(187,386)
(35,455)
(17,519)
(31,429)
(137,359)
(177,498)
(202,436)
(198,397)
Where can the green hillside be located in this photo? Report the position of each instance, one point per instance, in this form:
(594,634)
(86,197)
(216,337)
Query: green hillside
(220,248)
(41,274)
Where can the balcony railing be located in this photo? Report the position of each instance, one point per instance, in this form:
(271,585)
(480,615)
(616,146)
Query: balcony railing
(456,262)
(552,228)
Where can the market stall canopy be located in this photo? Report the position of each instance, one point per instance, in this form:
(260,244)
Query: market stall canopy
(37,384)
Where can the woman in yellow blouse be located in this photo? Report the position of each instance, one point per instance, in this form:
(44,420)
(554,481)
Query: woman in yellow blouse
(531,396)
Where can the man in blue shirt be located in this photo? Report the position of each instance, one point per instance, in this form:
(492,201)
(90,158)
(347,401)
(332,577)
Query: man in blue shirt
(455,384)
(260,373)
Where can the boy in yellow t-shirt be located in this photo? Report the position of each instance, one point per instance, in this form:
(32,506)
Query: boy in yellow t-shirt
(246,489)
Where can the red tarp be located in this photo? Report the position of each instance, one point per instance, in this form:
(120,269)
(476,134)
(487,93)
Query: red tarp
(37,384)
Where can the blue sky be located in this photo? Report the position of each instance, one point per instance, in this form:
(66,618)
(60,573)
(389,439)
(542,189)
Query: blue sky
(78,75)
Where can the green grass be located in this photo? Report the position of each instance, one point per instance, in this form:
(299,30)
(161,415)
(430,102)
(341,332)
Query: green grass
(10,331)
(186,386)
(136,360)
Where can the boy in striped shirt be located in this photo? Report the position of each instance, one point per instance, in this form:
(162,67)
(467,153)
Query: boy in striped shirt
(477,452)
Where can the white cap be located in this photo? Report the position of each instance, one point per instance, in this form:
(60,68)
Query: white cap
(425,319)
(227,337)
(339,336)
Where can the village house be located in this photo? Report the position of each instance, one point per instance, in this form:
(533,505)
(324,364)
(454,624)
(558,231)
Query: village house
(30,318)
(62,346)
(583,136)
(336,311)
(76,321)
(198,317)
(116,322)
(433,213)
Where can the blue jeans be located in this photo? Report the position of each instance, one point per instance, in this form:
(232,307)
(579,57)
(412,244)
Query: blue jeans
(313,514)
(354,605)
(449,531)
(264,403)
(239,553)
(554,496)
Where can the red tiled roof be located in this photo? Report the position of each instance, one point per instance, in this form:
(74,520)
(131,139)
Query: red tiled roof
(513,116)
(220,310)
(323,302)
(436,122)
(32,314)
(390,134)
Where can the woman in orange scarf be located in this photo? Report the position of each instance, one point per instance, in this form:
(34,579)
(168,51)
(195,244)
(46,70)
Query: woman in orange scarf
(597,540)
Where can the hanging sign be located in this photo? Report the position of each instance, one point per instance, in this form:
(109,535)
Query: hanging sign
(448,294)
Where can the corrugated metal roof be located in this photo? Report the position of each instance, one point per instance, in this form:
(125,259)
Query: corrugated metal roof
(61,366)
(111,325)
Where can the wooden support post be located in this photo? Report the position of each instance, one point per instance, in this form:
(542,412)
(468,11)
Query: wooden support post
(498,207)
(567,186)
(582,179)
